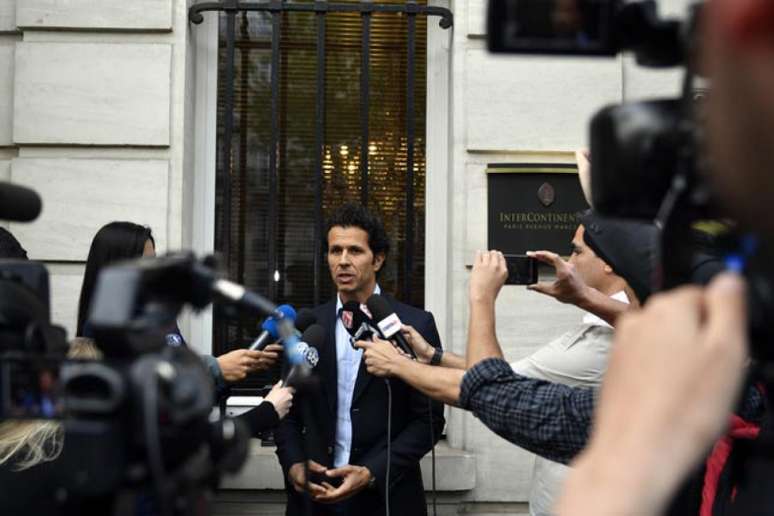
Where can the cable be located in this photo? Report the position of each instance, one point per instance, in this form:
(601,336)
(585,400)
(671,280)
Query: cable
(389,452)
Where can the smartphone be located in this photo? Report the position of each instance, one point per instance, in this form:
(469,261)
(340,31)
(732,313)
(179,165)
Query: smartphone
(522,269)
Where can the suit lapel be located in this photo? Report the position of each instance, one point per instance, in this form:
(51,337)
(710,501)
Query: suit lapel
(330,368)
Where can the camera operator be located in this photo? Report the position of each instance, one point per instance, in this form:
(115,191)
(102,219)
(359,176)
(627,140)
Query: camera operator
(683,358)
(118,241)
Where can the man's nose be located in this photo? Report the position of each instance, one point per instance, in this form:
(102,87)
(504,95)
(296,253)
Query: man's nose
(344,258)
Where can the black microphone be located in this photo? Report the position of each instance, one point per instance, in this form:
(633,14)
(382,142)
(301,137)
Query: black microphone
(388,322)
(357,322)
(304,319)
(304,356)
(18,204)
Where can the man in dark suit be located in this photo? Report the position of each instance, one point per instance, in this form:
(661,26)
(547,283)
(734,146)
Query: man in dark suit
(340,428)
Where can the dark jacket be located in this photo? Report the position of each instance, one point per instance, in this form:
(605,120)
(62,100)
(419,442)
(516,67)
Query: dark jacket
(309,430)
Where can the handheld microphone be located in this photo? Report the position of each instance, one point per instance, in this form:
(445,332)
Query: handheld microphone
(270,331)
(303,355)
(388,322)
(305,319)
(18,204)
(357,323)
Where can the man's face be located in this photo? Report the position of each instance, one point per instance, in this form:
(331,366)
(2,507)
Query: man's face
(592,269)
(738,57)
(352,264)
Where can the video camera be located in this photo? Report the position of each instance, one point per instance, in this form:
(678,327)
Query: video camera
(139,420)
(648,159)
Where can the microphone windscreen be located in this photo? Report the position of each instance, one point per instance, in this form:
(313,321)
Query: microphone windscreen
(270,324)
(18,204)
(305,319)
(314,336)
(352,317)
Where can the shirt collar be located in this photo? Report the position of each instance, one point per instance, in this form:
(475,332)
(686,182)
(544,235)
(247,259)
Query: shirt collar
(340,305)
(590,318)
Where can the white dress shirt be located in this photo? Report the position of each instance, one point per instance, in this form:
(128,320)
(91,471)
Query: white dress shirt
(347,366)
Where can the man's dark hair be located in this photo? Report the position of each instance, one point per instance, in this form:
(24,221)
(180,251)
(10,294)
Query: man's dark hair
(357,215)
(10,248)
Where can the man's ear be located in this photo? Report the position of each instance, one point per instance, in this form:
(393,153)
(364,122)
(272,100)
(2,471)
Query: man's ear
(746,23)
(378,261)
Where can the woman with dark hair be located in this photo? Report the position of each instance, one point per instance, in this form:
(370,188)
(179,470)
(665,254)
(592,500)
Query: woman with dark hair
(113,243)
(119,241)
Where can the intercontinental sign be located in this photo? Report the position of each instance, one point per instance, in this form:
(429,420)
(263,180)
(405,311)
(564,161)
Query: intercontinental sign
(533,207)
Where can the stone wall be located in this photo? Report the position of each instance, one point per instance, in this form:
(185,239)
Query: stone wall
(92,115)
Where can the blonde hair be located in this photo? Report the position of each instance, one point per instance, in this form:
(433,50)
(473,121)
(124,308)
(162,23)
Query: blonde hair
(28,443)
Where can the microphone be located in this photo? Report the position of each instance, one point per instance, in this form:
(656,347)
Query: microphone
(305,319)
(303,355)
(388,322)
(18,204)
(270,331)
(358,324)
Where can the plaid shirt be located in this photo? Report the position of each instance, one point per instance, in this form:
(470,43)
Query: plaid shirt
(549,419)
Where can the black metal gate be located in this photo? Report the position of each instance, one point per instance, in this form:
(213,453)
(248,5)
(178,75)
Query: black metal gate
(319,9)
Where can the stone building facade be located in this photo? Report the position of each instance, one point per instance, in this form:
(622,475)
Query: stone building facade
(107,108)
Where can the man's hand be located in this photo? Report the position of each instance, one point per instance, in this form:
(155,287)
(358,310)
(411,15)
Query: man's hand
(674,374)
(380,357)
(269,356)
(297,477)
(421,347)
(488,276)
(354,480)
(568,287)
(235,365)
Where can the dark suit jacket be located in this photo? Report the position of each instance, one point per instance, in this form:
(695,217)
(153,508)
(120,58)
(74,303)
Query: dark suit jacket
(309,430)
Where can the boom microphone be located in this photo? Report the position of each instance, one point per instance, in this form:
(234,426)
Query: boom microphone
(270,331)
(388,322)
(18,204)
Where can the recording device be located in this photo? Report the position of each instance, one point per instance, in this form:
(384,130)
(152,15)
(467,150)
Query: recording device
(270,331)
(388,322)
(522,269)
